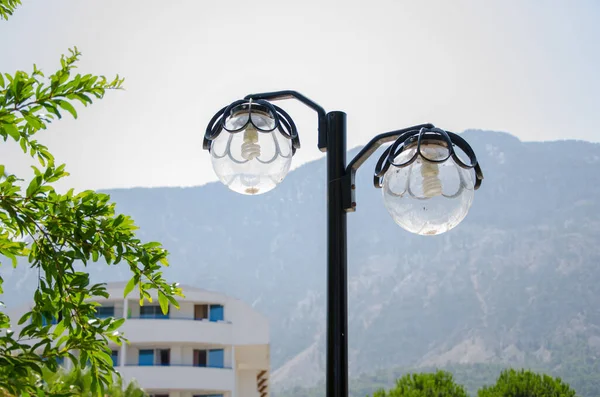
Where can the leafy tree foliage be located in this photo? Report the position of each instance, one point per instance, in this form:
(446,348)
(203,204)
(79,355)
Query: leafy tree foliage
(78,382)
(7,7)
(438,384)
(474,377)
(525,383)
(59,234)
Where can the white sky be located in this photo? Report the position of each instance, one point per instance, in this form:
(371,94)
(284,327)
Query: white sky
(524,66)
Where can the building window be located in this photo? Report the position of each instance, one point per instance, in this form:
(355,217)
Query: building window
(105,311)
(152,312)
(216,313)
(200,358)
(146,357)
(216,358)
(154,357)
(163,356)
(200,312)
(115,358)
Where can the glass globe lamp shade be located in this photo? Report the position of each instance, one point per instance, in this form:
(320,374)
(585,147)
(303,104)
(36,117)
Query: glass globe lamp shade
(254,158)
(425,197)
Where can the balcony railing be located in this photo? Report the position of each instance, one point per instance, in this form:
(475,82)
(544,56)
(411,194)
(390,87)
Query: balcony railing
(182,377)
(159,317)
(177,365)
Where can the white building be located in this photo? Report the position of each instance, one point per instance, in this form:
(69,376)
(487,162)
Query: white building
(213,346)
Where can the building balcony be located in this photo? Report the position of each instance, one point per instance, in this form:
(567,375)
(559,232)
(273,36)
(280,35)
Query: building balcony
(160,316)
(177,330)
(181,377)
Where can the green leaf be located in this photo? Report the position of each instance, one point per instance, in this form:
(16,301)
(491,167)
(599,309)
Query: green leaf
(104,357)
(33,121)
(36,170)
(12,130)
(10,256)
(52,109)
(68,107)
(173,301)
(24,318)
(163,302)
(33,185)
(115,324)
(83,98)
(1,81)
(60,328)
(1,170)
(129,287)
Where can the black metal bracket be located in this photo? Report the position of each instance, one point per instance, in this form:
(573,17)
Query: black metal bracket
(288,94)
(349,184)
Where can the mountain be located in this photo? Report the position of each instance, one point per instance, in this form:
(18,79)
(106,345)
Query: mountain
(515,283)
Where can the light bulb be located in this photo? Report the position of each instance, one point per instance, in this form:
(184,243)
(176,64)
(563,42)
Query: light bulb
(427,198)
(432,185)
(251,161)
(250,147)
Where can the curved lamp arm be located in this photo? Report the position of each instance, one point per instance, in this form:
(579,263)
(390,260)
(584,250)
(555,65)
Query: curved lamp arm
(289,94)
(362,156)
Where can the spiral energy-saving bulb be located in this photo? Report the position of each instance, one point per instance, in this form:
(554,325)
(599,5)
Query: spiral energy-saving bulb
(250,146)
(432,185)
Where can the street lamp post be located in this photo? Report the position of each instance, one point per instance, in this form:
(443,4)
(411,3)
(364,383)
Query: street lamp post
(427,175)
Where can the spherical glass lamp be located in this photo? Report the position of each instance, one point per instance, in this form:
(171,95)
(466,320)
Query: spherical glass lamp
(251,147)
(427,187)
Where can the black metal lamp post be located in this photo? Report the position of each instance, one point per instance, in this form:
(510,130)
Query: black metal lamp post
(428,177)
